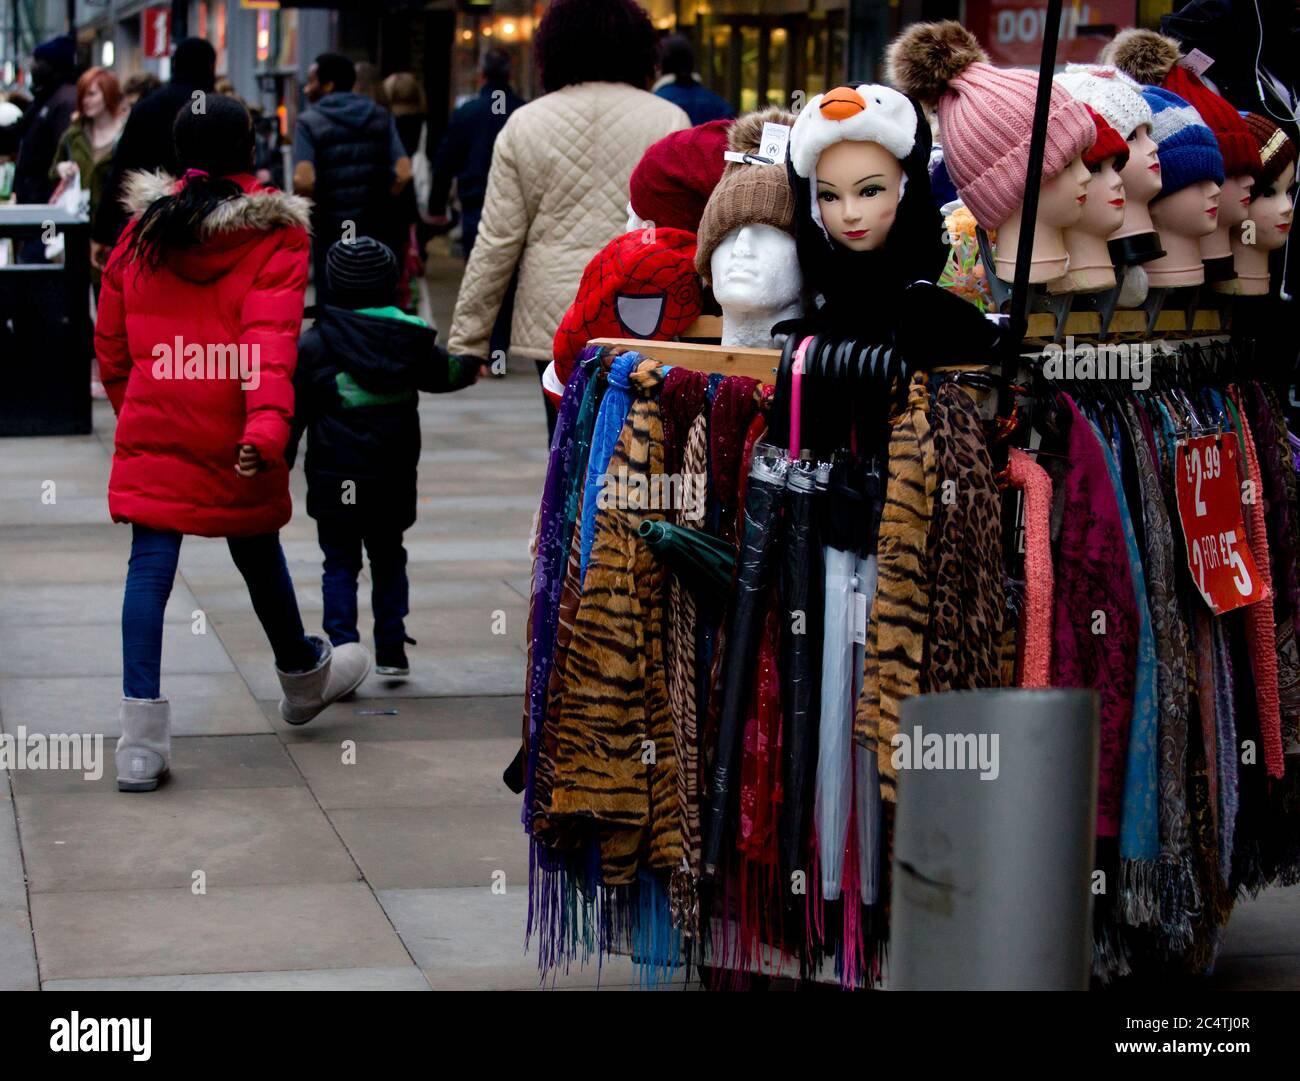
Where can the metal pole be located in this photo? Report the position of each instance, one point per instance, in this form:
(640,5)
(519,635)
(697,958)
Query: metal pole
(991,877)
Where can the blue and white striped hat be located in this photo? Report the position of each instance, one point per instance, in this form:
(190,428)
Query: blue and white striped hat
(1188,150)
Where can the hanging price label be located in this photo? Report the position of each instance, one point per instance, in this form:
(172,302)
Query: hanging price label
(1209,506)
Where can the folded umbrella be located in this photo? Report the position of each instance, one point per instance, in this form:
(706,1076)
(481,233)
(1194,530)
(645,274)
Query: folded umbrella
(703,562)
(767,479)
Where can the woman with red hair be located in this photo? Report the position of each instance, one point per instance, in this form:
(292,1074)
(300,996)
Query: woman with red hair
(86,148)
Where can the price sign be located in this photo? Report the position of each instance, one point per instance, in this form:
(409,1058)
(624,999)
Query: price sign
(1208,487)
(156,24)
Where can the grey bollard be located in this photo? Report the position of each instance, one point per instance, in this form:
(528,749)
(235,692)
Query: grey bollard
(991,878)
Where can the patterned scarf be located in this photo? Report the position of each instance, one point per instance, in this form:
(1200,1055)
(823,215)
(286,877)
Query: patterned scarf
(1095,619)
(966,603)
(896,632)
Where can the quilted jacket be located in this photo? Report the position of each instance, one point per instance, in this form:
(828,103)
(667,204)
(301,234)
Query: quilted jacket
(556,195)
(198,357)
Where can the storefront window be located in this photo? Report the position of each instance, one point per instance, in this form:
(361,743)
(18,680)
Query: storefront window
(506,24)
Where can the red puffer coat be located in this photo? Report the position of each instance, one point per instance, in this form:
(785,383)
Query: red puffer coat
(198,357)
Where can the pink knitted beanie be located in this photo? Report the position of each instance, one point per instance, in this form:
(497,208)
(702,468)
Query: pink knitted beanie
(986,115)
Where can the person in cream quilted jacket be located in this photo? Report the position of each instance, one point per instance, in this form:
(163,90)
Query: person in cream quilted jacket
(557,189)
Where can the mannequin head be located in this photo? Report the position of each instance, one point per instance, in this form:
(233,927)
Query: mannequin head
(1061,203)
(865,222)
(1183,220)
(1120,103)
(1272,210)
(1091,268)
(746,247)
(859,186)
(1269,213)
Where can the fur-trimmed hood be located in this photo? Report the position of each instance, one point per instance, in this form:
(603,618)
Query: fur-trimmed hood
(258,208)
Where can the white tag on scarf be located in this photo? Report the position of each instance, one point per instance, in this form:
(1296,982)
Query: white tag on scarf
(776,137)
(859,618)
(1196,62)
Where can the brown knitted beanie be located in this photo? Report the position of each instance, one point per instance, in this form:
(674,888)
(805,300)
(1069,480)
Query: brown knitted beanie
(1276,150)
(746,194)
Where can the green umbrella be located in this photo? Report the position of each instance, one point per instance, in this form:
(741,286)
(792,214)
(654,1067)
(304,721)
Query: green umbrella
(705,563)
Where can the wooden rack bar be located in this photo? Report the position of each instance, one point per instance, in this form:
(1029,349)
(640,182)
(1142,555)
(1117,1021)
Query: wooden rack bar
(760,364)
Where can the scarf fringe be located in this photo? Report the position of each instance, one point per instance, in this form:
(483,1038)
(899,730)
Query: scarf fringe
(1180,902)
(655,943)
(1110,959)
(1138,893)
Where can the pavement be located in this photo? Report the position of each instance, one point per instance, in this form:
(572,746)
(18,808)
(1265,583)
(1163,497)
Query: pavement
(375,848)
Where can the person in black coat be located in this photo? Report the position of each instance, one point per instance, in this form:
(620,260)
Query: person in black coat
(54,82)
(146,141)
(360,367)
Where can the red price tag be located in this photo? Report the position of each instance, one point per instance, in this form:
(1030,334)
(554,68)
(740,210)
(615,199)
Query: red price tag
(1209,506)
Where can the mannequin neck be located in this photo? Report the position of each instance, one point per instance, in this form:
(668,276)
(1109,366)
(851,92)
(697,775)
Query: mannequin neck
(1090,269)
(1181,264)
(1049,259)
(1217,245)
(1137,219)
(753,329)
(1252,269)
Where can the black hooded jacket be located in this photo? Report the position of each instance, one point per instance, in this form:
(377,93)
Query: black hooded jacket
(356,389)
(861,289)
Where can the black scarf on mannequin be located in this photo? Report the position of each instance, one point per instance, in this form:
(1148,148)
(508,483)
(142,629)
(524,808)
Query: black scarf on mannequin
(860,288)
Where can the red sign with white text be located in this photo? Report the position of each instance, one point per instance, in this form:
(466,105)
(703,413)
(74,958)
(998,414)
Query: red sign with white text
(156,24)
(1209,505)
(1011,31)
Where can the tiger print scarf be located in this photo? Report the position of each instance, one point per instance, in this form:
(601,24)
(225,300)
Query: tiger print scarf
(616,761)
(899,615)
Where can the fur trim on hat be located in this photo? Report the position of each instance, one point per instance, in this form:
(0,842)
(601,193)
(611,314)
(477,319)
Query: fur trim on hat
(745,136)
(259,210)
(924,59)
(885,117)
(1143,55)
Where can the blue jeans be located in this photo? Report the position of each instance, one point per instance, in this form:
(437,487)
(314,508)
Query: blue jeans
(341,544)
(149,578)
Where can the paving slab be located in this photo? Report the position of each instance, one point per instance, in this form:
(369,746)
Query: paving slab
(82,602)
(1267,924)
(436,847)
(17,952)
(230,929)
(91,649)
(256,761)
(97,841)
(399,773)
(472,938)
(201,704)
(484,717)
(407,978)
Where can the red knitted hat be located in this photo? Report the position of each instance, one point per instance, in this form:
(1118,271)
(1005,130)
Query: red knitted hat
(1276,150)
(1240,151)
(675,176)
(1153,59)
(640,285)
(1109,144)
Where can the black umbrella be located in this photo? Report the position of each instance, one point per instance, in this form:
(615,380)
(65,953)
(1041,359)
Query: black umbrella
(767,479)
(703,562)
(803,590)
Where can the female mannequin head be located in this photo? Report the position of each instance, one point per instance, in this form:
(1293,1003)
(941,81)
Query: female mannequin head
(1268,215)
(1119,101)
(1191,172)
(865,221)
(986,119)
(1090,268)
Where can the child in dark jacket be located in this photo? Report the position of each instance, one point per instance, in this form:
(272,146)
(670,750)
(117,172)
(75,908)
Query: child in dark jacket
(360,368)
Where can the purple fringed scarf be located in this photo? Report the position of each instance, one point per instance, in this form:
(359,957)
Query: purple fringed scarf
(548,563)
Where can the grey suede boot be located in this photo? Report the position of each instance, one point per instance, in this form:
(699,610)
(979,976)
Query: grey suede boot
(144,749)
(340,671)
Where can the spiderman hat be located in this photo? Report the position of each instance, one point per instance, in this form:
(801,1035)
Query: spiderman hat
(640,285)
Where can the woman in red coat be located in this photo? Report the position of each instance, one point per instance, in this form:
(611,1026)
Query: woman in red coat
(197,339)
